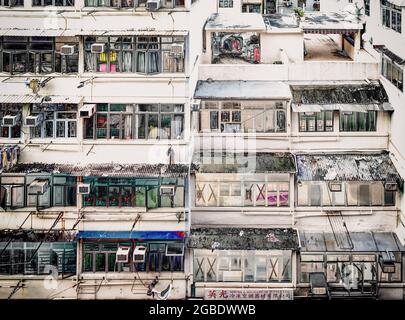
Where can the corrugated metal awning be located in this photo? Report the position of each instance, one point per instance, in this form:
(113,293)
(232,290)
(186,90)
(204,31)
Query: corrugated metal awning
(242,90)
(243,239)
(342,107)
(37,99)
(329,31)
(399,3)
(38,32)
(164,33)
(347,167)
(147,235)
(362,242)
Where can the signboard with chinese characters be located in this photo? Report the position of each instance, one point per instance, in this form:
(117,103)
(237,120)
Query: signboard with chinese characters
(248,294)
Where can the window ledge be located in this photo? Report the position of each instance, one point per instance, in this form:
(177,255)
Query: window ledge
(128,275)
(248,210)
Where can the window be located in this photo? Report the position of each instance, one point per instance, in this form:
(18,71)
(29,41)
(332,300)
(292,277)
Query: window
(318,193)
(247,192)
(40,55)
(13,110)
(391,15)
(164,121)
(15,186)
(226,3)
(59,3)
(392,72)
(56,124)
(358,121)
(110,3)
(252,8)
(147,55)
(64,191)
(316,121)
(18,258)
(11,3)
(310,263)
(242,266)
(246,116)
(144,121)
(100,257)
(131,192)
(367,7)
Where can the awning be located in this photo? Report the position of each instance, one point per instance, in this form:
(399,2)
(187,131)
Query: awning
(357,97)
(146,235)
(243,239)
(34,235)
(331,23)
(38,99)
(105,169)
(261,162)
(362,242)
(391,55)
(342,107)
(347,167)
(243,22)
(38,32)
(399,3)
(242,90)
(163,33)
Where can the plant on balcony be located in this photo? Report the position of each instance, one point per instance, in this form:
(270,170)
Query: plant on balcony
(300,13)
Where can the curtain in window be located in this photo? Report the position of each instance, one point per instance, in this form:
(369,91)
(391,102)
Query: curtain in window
(90,62)
(153,62)
(141,62)
(177,126)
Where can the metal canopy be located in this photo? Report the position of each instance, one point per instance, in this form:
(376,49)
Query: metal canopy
(242,90)
(347,167)
(38,32)
(243,239)
(342,107)
(261,162)
(362,241)
(331,23)
(38,99)
(132,33)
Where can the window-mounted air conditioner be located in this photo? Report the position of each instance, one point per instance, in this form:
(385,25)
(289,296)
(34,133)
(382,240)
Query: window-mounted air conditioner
(153,5)
(83,188)
(33,121)
(195,104)
(38,186)
(387,262)
(391,186)
(98,48)
(167,190)
(177,49)
(67,50)
(122,255)
(335,186)
(10,121)
(87,110)
(139,254)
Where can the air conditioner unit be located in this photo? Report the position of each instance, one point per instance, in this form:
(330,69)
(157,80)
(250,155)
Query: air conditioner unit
(335,186)
(153,5)
(177,49)
(98,48)
(167,190)
(122,255)
(10,121)
(83,188)
(38,186)
(139,254)
(391,186)
(67,50)
(34,121)
(87,110)
(387,262)
(195,105)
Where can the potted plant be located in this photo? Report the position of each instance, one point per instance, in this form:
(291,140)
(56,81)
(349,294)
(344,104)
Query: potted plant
(300,13)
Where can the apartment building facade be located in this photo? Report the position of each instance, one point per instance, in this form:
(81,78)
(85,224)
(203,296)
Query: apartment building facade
(197,149)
